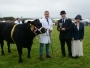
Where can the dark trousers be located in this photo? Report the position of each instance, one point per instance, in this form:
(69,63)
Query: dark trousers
(68,41)
(41,49)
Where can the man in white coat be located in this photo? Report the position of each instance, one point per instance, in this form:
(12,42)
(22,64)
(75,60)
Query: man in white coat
(18,21)
(45,38)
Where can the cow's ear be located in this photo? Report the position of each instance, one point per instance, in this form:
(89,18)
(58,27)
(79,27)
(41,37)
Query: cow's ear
(36,20)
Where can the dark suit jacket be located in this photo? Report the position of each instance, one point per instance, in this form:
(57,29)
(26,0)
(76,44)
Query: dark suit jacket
(77,34)
(67,34)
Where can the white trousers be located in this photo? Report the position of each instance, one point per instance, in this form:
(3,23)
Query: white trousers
(77,49)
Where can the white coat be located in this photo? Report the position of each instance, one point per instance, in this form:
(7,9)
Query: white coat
(16,22)
(45,38)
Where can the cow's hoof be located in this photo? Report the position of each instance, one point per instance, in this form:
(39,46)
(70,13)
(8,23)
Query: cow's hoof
(3,53)
(20,61)
(29,56)
(9,51)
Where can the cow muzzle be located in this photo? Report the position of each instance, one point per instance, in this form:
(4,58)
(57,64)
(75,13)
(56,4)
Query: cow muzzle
(42,30)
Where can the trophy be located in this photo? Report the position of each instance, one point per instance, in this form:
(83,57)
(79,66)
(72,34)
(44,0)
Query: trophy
(60,24)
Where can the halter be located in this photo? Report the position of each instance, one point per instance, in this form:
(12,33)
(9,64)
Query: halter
(34,29)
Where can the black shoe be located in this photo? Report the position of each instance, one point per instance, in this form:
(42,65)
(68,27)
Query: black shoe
(48,56)
(77,56)
(70,56)
(74,57)
(41,58)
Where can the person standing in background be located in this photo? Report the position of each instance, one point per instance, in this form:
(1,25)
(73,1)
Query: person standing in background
(64,27)
(45,38)
(18,21)
(77,37)
(3,21)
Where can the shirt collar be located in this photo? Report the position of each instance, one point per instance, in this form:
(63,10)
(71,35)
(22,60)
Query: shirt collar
(64,18)
(47,18)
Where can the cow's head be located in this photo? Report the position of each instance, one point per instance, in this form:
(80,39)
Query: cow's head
(36,26)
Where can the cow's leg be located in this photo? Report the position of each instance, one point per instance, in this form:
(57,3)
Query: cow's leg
(28,53)
(20,53)
(2,44)
(29,50)
(8,44)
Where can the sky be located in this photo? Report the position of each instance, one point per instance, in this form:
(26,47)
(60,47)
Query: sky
(36,8)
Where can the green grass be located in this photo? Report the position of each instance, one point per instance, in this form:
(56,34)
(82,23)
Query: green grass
(11,60)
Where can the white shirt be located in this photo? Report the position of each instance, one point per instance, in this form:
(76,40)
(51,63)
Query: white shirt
(78,27)
(16,22)
(45,38)
(3,21)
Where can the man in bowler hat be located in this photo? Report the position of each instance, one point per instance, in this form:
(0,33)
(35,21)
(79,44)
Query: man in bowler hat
(64,27)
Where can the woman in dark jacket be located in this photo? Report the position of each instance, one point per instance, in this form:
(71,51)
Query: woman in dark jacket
(77,37)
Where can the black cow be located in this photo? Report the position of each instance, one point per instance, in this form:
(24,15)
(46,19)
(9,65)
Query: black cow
(22,35)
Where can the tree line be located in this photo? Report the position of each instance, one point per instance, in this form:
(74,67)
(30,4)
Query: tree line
(7,18)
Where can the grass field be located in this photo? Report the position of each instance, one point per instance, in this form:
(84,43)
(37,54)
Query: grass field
(11,60)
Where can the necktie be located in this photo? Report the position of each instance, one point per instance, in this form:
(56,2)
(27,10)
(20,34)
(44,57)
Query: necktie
(48,21)
(63,20)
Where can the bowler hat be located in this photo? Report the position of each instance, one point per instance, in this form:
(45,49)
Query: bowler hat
(78,17)
(62,12)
